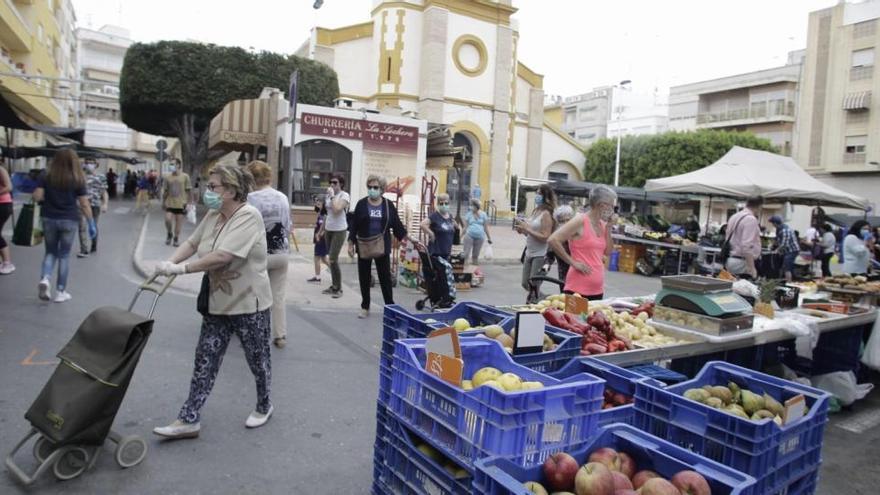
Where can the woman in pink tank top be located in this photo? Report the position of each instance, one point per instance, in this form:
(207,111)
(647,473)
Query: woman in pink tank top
(589,240)
(6,266)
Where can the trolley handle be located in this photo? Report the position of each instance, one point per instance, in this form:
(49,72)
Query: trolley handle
(157,288)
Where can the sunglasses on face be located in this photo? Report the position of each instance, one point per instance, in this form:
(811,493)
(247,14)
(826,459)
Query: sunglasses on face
(334,182)
(212,186)
(443,203)
(373,188)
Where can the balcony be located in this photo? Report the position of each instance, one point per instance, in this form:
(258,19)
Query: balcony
(761,112)
(14,33)
(854,158)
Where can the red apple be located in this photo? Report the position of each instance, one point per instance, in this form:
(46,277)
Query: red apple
(642,476)
(560,470)
(594,478)
(691,483)
(627,464)
(658,486)
(606,456)
(621,480)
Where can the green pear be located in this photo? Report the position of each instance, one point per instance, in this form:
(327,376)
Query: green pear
(773,405)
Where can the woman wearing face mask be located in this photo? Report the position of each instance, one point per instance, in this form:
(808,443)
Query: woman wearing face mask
(440,227)
(232,249)
(374,216)
(477,231)
(589,239)
(537,229)
(335,230)
(857,248)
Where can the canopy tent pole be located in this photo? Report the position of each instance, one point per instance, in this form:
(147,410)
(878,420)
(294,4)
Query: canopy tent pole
(708,215)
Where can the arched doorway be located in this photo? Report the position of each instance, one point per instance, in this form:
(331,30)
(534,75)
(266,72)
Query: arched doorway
(314,162)
(465,175)
(563,170)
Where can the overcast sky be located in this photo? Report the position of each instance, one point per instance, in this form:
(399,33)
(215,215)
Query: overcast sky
(576,44)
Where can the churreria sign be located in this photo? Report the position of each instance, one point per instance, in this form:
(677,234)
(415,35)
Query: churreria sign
(377,136)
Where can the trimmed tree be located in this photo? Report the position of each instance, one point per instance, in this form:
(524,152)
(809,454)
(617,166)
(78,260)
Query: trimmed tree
(175,88)
(663,155)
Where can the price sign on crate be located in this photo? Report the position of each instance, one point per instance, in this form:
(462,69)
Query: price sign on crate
(529,333)
(444,356)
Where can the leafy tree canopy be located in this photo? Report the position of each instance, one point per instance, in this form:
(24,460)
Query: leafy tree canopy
(663,155)
(162,81)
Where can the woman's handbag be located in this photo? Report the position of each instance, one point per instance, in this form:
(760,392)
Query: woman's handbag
(204,294)
(28,230)
(373,247)
(456,236)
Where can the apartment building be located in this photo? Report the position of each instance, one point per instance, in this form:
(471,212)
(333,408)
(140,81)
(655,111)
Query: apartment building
(762,102)
(582,117)
(838,129)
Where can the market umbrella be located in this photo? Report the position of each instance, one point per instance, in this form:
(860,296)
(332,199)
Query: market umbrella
(744,172)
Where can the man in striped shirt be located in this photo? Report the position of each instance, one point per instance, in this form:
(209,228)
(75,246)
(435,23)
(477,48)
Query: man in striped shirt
(787,245)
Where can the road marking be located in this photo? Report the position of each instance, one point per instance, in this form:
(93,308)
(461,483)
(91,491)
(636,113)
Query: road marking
(861,422)
(122,210)
(29,360)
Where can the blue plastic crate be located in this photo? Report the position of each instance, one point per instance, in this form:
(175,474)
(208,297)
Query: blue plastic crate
(525,426)
(775,455)
(617,379)
(406,470)
(498,476)
(660,373)
(568,347)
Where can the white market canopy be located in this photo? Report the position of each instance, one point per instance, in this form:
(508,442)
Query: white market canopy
(744,172)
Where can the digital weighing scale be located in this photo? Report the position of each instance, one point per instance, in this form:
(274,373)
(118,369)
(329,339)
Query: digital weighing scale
(703,304)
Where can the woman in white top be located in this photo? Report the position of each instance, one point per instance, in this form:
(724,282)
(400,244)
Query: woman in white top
(336,230)
(857,247)
(231,246)
(827,242)
(275,208)
(537,229)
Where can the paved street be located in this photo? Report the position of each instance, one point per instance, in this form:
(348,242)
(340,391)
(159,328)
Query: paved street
(324,383)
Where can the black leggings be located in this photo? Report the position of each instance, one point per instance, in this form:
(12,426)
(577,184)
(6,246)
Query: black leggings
(594,297)
(383,267)
(5,213)
(826,268)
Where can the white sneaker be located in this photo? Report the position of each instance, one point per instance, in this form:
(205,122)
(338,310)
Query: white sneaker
(6,268)
(364,313)
(178,429)
(62,296)
(256,420)
(44,289)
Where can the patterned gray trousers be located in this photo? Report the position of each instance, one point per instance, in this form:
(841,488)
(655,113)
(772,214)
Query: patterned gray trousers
(253,329)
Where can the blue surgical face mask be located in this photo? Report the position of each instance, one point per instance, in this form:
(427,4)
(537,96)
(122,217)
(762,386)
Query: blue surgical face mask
(539,200)
(443,208)
(866,234)
(212,200)
(172,168)
(374,193)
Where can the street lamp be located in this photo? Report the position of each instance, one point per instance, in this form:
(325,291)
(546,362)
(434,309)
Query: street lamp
(620,85)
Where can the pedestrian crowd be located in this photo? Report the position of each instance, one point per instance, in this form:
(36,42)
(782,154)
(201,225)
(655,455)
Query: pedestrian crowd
(241,247)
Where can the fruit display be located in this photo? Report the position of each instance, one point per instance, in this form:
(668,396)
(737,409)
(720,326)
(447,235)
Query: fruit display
(610,472)
(633,325)
(495,332)
(738,401)
(612,398)
(857,282)
(505,382)
(597,334)
(435,455)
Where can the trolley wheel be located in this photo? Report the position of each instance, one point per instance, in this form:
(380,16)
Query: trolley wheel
(71,463)
(420,305)
(43,448)
(130,451)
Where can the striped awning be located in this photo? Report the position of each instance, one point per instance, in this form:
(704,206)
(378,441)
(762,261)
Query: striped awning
(241,125)
(858,100)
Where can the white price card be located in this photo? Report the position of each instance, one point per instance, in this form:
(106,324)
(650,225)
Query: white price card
(529,332)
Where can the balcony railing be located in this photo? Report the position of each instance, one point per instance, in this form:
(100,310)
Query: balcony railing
(762,110)
(853,158)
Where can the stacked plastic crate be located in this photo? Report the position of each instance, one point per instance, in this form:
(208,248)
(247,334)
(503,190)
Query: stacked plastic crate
(784,459)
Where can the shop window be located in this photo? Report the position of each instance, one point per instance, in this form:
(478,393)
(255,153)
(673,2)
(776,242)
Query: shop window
(856,144)
(315,161)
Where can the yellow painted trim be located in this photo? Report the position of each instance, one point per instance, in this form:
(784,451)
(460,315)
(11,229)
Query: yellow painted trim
(329,37)
(485,152)
(554,115)
(530,76)
(441,180)
(459,101)
(563,135)
(397,5)
(477,43)
(490,11)
(391,60)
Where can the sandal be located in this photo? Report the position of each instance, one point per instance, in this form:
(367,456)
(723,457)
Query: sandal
(314,279)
